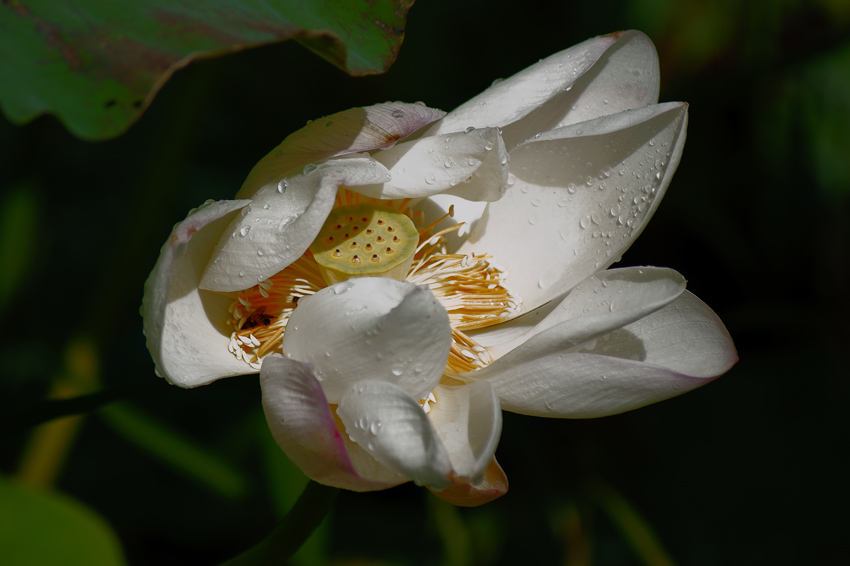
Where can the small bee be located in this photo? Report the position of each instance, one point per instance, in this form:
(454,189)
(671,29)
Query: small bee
(258,318)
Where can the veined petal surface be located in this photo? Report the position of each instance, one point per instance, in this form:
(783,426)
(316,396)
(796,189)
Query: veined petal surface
(582,195)
(673,350)
(468,420)
(472,165)
(351,131)
(187,347)
(371,328)
(282,221)
(391,425)
(303,426)
(600,76)
(604,302)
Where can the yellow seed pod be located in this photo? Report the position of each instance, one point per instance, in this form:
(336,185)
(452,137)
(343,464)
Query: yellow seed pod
(364,240)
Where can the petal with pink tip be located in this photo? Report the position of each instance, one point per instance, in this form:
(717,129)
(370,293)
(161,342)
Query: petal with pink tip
(301,422)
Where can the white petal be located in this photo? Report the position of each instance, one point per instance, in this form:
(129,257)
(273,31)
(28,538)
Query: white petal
(472,165)
(350,131)
(282,222)
(582,195)
(602,303)
(626,76)
(468,420)
(674,350)
(303,426)
(185,329)
(600,76)
(391,425)
(467,212)
(371,328)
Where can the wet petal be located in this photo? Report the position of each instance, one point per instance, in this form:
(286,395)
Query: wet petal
(674,350)
(371,328)
(600,304)
(188,347)
(303,426)
(472,165)
(281,223)
(493,485)
(468,420)
(565,88)
(391,425)
(582,195)
(350,131)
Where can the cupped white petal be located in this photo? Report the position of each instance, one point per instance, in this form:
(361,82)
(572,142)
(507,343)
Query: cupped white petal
(600,304)
(603,75)
(303,426)
(468,420)
(350,131)
(582,195)
(391,425)
(472,165)
(371,328)
(673,350)
(281,222)
(184,327)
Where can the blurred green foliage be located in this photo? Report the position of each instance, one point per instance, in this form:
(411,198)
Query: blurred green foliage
(747,471)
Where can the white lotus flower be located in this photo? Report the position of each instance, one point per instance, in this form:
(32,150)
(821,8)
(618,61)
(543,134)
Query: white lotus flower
(389,335)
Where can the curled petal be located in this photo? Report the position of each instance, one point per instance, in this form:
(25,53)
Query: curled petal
(303,426)
(600,76)
(674,350)
(350,131)
(602,303)
(568,217)
(371,328)
(472,165)
(493,485)
(281,223)
(468,420)
(188,348)
(391,425)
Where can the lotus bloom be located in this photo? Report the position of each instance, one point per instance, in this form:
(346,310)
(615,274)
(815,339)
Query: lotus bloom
(399,276)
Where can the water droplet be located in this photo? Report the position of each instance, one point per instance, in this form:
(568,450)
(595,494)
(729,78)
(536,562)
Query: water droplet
(241,274)
(259,252)
(449,163)
(533,218)
(536,201)
(470,129)
(375,428)
(448,139)
(615,210)
(511,179)
(488,146)
(596,218)
(430,179)
(571,188)
(397,371)
(243,231)
(266,207)
(309,168)
(584,222)
(398,114)
(282,186)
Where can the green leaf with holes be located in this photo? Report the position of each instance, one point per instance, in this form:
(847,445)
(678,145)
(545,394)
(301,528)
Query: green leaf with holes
(48,528)
(97,65)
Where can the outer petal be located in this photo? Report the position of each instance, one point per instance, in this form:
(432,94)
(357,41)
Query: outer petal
(185,334)
(468,419)
(667,353)
(371,328)
(351,131)
(493,485)
(282,222)
(472,165)
(392,427)
(602,303)
(303,426)
(565,88)
(582,195)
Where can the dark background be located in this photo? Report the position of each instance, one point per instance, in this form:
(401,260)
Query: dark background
(750,470)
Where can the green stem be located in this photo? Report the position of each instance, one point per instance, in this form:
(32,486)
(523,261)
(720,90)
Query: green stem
(306,515)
